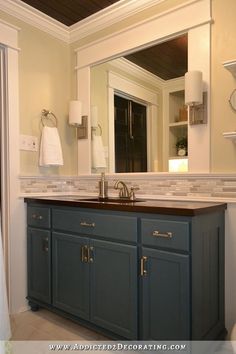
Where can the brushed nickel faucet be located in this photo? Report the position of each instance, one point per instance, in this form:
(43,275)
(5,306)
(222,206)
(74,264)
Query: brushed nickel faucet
(124,192)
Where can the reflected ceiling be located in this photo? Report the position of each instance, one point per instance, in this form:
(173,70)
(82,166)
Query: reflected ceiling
(167,60)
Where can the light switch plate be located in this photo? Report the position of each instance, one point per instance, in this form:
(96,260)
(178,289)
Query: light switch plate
(28,143)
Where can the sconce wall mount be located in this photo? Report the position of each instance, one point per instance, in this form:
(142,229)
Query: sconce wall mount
(198,113)
(195,98)
(82,129)
(79,121)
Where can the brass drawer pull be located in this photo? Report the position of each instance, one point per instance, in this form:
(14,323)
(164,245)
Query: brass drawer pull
(45,244)
(38,217)
(143,271)
(90,254)
(84,254)
(157,233)
(87,224)
(87,254)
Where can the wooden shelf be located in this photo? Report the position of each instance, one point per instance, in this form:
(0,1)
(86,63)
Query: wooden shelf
(231,66)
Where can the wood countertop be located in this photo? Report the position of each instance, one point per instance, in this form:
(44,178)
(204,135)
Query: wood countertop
(169,207)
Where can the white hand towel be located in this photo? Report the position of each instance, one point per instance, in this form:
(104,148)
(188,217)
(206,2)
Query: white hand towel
(50,148)
(98,155)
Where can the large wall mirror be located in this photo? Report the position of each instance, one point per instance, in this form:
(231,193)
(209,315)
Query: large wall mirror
(138,117)
(136,75)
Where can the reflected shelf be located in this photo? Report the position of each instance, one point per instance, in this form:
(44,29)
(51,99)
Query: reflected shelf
(178,124)
(177,157)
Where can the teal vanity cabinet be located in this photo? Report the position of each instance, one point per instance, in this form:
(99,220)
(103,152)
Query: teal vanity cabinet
(101,287)
(39,254)
(146,271)
(70,275)
(182,283)
(94,271)
(93,268)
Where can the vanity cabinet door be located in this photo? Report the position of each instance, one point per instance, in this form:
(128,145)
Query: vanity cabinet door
(165,295)
(39,264)
(70,274)
(113,269)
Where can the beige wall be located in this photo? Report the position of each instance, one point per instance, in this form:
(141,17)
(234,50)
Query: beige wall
(223,118)
(44,82)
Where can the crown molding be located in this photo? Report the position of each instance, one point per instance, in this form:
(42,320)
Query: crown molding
(69,34)
(142,74)
(9,25)
(109,16)
(36,18)
(138,72)
(92,24)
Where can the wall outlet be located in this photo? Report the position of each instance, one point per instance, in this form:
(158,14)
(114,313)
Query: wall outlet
(28,143)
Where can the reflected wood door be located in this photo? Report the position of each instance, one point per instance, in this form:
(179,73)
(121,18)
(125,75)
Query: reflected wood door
(130,136)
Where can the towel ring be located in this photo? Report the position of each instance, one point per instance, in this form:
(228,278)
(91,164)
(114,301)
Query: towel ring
(94,129)
(232,100)
(49,116)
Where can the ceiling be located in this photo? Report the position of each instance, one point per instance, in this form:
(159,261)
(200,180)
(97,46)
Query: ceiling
(69,12)
(167,60)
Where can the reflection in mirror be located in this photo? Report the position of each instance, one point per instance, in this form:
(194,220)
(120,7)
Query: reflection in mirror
(138,113)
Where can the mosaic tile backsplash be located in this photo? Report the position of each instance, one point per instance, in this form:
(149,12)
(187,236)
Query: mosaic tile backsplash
(208,186)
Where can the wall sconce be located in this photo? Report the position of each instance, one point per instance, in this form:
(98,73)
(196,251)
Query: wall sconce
(195,98)
(77,120)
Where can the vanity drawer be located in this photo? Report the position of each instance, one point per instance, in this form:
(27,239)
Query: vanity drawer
(166,233)
(39,216)
(116,227)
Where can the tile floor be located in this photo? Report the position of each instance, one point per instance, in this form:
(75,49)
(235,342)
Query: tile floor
(45,325)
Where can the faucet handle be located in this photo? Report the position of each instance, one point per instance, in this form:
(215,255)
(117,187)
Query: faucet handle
(132,192)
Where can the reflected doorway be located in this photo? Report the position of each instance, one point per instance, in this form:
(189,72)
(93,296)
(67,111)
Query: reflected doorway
(130,135)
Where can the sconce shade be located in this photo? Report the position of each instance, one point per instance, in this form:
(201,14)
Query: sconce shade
(75,113)
(193,88)
(94,116)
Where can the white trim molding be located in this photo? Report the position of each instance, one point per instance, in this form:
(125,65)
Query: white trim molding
(121,83)
(92,24)
(36,18)
(109,16)
(169,24)
(14,213)
(8,35)
(140,73)
(81,29)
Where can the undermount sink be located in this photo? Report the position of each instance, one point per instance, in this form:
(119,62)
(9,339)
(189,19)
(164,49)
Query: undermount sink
(111,200)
